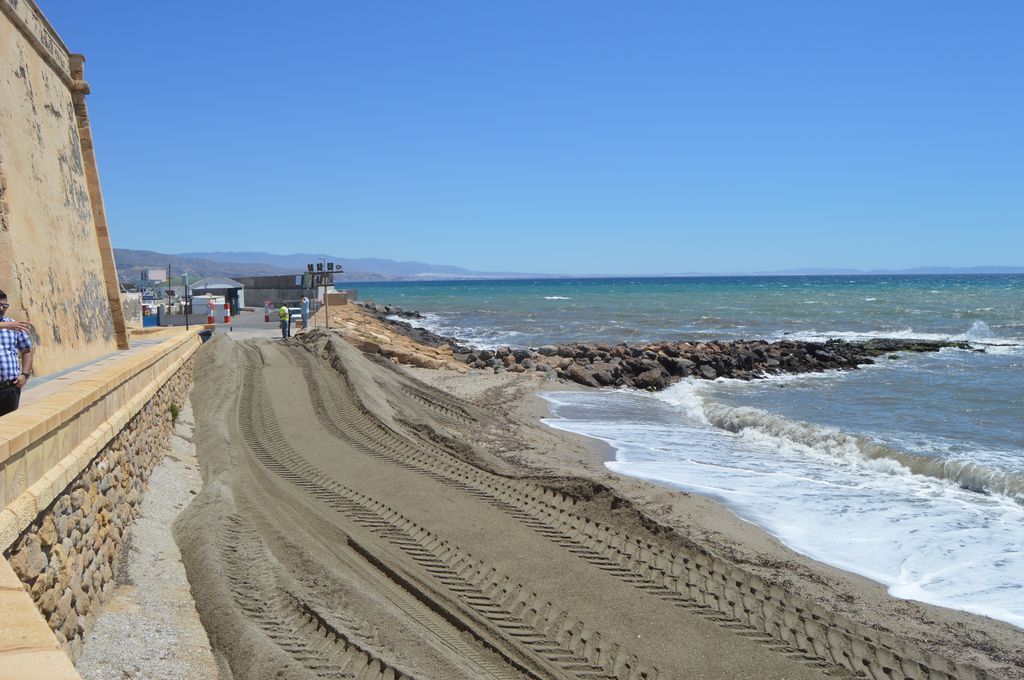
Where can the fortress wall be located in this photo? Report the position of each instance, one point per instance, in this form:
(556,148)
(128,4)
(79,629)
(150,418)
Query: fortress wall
(75,458)
(52,260)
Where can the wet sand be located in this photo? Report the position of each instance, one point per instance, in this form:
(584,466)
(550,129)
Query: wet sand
(362,520)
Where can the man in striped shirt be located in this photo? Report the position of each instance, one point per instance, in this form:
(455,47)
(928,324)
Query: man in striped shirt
(15,358)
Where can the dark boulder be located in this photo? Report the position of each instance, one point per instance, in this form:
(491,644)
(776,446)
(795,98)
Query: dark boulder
(580,375)
(653,379)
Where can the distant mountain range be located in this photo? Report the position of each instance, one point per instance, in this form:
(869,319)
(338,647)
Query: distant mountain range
(130,263)
(907,272)
(390,269)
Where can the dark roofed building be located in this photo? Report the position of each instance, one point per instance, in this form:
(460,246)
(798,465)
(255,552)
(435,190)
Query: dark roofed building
(275,289)
(233,291)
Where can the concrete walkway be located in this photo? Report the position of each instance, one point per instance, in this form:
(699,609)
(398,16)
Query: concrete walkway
(247,325)
(51,383)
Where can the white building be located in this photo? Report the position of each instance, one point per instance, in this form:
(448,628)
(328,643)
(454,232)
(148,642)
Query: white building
(154,275)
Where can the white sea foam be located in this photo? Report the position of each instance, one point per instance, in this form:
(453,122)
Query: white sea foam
(556,297)
(978,333)
(834,496)
(837,447)
(435,323)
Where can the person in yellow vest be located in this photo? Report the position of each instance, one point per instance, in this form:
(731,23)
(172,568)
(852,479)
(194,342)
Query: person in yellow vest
(286,321)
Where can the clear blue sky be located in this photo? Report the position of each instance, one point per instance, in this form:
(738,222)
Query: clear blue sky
(570,137)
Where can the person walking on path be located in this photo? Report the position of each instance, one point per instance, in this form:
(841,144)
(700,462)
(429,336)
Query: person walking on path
(286,321)
(15,358)
(304,308)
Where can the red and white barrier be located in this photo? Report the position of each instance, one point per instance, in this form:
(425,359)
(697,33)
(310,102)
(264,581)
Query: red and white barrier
(218,312)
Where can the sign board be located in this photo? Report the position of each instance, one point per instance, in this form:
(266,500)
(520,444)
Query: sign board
(317,279)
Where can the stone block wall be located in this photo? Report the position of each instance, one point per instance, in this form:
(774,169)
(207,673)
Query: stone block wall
(67,557)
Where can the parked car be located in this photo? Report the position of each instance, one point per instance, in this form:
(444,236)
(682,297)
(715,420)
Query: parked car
(295,311)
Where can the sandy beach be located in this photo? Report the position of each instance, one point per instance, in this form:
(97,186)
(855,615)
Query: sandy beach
(361,519)
(992,645)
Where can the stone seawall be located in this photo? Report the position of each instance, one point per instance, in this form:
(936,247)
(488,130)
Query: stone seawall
(67,558)
(74,462)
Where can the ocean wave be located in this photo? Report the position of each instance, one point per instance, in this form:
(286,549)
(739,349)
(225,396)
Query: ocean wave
(556,297)
(479,338)
(435,323)
(833,445)
(978,334)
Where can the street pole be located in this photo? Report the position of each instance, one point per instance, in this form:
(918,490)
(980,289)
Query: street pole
(185,304)
(170,291)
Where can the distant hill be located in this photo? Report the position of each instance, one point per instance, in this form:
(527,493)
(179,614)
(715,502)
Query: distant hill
(131,262)
(820,271)
(355,268)
(919,271)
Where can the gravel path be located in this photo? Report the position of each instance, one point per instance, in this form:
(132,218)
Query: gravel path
(150,629)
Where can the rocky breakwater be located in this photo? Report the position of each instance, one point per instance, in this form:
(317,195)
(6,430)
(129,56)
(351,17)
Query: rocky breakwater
(368,328)
(655,366)
(650,366)
(397,319)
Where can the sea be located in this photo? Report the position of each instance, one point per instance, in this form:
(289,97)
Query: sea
(909,472)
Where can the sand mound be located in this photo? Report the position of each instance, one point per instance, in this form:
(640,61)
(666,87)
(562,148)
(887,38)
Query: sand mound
(350,526)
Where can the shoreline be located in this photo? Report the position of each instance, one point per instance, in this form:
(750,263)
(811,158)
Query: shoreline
(358,518)
(521,446)
(655,366)
(992,644)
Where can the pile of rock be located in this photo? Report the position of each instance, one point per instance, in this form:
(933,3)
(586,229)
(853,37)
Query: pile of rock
(372,333)
(652,366)
(657,365)
(386,314)
(384,311)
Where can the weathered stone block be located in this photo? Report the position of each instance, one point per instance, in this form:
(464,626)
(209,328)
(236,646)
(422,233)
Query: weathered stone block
(29,560)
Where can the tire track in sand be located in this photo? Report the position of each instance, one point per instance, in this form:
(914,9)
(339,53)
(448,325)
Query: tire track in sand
(310,637)
(553,644)
(631,560)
